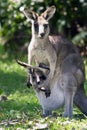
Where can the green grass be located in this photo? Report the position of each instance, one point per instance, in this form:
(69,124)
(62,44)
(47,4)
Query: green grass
(21,110)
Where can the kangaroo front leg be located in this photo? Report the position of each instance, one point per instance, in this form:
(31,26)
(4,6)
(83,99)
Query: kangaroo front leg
(52,59)
(30,56)
(68,110)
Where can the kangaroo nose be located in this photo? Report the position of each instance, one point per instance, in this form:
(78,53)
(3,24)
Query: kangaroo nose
(42,34)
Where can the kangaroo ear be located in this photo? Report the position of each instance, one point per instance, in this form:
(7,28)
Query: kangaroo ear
(49,13)
(30,15)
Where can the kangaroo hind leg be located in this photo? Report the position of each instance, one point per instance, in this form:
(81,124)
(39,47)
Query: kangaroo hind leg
(69,93)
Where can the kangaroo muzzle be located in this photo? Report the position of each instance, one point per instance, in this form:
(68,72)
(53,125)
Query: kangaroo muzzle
(41,32)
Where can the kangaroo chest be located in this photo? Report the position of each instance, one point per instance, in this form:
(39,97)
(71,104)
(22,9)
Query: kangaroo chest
(40,50)
(40,56)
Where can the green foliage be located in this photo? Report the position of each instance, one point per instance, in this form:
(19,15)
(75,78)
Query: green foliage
(80,38)
(11,18)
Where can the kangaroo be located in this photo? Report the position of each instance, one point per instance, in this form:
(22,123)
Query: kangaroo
(56,98)
(67,73)
(40,49)
(36,76)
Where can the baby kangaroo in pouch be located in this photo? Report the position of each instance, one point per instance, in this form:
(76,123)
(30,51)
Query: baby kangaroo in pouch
(40,49)
(36,76)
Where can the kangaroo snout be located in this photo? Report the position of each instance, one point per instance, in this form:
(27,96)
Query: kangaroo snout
(41,35)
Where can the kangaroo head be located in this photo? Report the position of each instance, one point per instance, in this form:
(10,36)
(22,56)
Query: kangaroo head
(40,25)
(36,77)
(36,74)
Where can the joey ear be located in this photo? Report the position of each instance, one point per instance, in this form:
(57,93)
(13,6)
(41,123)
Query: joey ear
(29,67)
(25,65)
(30,15)
(48,14)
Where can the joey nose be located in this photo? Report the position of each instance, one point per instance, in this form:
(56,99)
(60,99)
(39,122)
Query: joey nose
(38,82)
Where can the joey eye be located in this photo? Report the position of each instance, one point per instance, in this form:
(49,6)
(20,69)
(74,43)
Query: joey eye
(34,77)
(43,77)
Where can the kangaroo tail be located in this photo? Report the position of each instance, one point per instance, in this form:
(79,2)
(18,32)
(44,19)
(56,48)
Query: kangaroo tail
(80,99)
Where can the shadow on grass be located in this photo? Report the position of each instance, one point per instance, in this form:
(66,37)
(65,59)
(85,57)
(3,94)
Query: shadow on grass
(10,82)
(10,106)
(20,98)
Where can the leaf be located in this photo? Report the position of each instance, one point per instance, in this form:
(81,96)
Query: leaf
(40,126)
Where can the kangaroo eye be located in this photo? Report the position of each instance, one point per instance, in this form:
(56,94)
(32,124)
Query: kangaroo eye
(36,25)
(45,25)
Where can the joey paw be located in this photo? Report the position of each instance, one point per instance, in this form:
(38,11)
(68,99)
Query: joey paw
(28,84)
(47,93)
